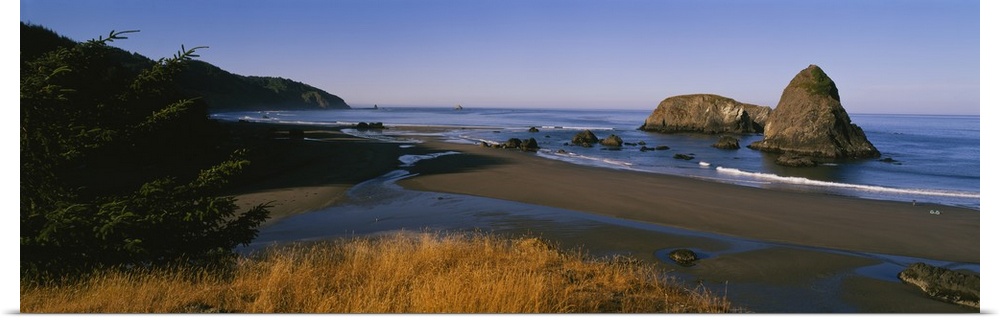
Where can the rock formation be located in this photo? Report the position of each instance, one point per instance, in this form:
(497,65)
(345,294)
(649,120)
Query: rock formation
(809,120)
(612,141)
(684,257)
(530,145)
(513,143)
(706,113)
(585,138)
(944,284)
(727,142)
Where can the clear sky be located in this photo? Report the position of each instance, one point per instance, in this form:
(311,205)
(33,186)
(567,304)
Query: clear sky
(912,56)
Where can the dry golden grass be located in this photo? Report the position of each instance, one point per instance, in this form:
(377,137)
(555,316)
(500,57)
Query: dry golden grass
(402,273)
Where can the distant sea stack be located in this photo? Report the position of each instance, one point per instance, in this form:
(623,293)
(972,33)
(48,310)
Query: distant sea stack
(706,113)
(810,121)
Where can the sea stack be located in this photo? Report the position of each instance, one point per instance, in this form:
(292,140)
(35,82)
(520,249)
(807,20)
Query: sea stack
(810,121)
(706,113)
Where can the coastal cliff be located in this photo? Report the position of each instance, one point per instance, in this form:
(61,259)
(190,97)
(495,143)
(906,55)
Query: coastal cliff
(810,121)
(223,90)
(706,113)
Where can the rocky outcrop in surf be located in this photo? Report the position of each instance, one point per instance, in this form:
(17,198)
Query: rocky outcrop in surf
(727,142)
(943,284)
(810,121)
(706,113)
(585,138)
(529,145)
(612,141)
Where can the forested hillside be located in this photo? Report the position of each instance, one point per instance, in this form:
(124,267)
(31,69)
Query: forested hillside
(220,89)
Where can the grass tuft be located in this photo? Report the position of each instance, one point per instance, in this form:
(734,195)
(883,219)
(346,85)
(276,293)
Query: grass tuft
(400,273)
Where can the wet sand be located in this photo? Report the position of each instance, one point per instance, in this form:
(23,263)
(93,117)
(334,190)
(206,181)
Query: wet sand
(771,215)
(786,268)
(301,175)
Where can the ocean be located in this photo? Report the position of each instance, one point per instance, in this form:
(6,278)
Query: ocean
(935,157)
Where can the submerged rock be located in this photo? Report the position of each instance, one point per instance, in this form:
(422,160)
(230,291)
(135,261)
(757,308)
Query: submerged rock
(532,129)
(684,257)
(890,160)
(810,120)
(682,156)
(793,160)
(727,142)
(943,284)
(706,113)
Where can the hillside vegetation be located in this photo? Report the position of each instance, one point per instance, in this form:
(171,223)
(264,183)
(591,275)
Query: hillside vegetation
(220,89)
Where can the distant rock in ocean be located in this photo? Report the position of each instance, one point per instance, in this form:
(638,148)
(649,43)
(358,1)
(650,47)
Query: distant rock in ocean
(810,121)
(706,113)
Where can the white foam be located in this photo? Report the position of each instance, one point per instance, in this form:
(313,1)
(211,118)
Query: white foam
(809,182)
(704,164)
(576,128)
(478,140)
(582,159)
(376,135)
(409,160)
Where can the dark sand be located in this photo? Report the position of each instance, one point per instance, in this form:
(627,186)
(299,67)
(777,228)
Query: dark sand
(797,273)
(780,216)
(302,175)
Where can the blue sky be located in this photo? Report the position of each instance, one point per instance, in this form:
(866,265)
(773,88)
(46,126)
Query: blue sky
(913,56)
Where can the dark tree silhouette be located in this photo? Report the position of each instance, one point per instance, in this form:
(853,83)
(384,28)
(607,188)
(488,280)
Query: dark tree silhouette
(118,169)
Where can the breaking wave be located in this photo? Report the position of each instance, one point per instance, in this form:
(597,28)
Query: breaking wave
(809,182)
(584,160)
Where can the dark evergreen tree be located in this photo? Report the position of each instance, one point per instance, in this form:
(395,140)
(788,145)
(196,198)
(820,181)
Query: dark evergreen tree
(118,169)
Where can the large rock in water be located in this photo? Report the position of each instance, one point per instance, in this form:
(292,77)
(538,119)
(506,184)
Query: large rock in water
(706,113)
(585,138)
(809,120)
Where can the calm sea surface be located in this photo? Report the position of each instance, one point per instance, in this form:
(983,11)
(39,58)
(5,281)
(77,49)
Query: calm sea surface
(936,157)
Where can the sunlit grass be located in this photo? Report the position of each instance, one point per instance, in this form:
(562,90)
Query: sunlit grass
(402,273)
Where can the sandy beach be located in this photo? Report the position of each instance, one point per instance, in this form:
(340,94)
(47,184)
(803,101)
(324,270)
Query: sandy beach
(811,240)
(780,216)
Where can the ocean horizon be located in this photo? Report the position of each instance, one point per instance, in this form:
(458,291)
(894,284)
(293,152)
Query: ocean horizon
(934,158)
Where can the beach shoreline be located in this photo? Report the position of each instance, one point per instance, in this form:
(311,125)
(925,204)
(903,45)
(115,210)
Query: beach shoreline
(804,251)
(810,219)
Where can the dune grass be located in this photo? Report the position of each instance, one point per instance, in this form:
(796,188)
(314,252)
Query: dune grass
(400,273)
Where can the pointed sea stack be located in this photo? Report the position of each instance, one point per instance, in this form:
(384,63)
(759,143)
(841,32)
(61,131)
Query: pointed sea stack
(706,113)
(809,120)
